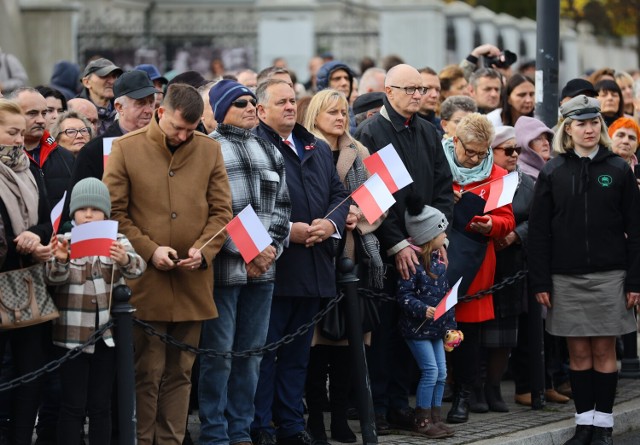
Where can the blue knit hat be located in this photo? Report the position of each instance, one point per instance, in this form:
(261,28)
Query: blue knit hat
(223,93)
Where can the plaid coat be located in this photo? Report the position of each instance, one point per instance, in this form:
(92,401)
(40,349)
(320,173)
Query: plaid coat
(82,293)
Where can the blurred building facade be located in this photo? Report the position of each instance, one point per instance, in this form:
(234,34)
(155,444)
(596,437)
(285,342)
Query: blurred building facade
(187,34)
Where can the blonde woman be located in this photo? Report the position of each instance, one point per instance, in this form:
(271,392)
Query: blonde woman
(584,259)
(327,117)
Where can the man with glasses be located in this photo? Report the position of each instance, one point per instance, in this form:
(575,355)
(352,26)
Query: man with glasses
(134,102)
(242,291)
(419,147)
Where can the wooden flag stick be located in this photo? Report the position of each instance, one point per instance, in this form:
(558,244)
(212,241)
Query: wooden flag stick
(483,184)
(212,238)
(113,271)
(340,203)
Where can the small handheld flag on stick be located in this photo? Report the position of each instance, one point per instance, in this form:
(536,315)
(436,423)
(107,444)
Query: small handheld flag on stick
(56,214)
(449,301)
(248,233)
(373,198)
(502,192)
(93,239)
(387,163)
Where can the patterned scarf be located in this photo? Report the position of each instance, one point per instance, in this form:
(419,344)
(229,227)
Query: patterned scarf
(18,191)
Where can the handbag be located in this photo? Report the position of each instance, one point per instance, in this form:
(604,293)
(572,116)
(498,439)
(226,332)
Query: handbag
(24,299)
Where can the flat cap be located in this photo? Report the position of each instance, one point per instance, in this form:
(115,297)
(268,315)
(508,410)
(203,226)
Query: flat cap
(101,67)
(367,101)
(580,108)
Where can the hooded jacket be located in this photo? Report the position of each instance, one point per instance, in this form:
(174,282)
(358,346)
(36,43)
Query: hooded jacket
(585,218)
(527,129)
(65,78)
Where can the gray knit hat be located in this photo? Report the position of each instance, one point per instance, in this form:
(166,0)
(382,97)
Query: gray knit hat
(426,225)
(90,192)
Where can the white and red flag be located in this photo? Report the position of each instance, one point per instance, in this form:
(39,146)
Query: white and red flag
(93,238)
(248,233)
(387,163)
(502,191)
(106,149)
(373,198)
(449,301)
(56,214)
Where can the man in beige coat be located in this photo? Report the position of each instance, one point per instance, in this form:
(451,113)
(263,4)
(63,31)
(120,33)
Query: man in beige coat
(170,195)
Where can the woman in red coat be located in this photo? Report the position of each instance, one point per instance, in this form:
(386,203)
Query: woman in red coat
(471,250)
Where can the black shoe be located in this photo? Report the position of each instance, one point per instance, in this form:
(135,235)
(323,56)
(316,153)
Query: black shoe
(601,436)
(301,438)
(404,419)
(494,399)
(315,426)
(262,437)
(340,430)
(582,435)
(382,425)
(447,396)
(187,438)
(477,402)
(459,412)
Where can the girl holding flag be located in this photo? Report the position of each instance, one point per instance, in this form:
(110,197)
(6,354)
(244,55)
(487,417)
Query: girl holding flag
(83,297)
(418,297)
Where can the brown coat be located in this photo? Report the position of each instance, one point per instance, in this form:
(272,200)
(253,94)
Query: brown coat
(178,200)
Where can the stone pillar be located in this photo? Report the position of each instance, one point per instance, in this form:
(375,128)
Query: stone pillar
(415,30)
(286,29)
(486,22)
(508,29)
(459,14)
(50,35)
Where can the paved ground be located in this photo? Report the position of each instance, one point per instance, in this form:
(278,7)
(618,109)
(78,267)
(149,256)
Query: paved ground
(522,425)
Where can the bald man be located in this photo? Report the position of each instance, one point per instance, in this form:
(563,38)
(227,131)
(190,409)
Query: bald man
(87,109)
(419,147)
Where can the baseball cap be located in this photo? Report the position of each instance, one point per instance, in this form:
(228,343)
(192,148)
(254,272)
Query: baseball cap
(101,67)
(134,84)
(153,72)
(581,108)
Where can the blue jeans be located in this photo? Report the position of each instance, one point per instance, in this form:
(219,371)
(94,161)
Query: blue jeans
(429,355)
(227,386)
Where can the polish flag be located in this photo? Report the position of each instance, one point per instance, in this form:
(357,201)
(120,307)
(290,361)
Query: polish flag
(106,149)
(248,233)
(502,191)
(387,163)
(373,198)
(449,301)
(56,214)
(93,238)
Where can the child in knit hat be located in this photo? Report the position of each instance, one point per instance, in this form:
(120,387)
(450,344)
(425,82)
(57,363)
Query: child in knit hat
(418,297)
(82,294)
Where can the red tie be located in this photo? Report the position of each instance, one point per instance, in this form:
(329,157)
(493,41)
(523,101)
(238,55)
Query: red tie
(290,144)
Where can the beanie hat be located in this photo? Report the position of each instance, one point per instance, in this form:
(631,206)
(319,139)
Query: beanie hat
(90,192)
(528,128)
(423,223)
(503,134)
(624,122)
(223,93)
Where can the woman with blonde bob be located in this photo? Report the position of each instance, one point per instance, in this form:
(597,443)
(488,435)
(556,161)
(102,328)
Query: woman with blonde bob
(327,117)
(584,259)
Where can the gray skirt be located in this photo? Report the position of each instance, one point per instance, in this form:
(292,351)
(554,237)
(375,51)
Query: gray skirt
(590,305)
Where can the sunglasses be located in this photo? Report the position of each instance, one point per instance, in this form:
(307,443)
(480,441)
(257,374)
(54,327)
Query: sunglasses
(242,103)
(508,151)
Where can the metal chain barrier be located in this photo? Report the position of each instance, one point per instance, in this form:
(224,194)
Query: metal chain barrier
(366,293)
(54,365)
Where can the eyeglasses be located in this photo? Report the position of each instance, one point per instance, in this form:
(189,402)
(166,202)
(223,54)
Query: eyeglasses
(508,151)
(242,103)
(73,132)
(470,153)
(411,90)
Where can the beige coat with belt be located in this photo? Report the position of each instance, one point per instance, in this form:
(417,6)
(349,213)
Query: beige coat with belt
(179,200)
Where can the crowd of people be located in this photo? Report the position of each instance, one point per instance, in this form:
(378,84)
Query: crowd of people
(173,160)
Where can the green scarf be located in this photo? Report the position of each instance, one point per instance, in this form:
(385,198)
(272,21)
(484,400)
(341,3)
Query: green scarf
(462,175)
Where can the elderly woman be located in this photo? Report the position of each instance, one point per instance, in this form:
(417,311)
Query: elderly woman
(534,137)
(625,82)
(26,232)
(72,131)
(625,134)
(452,110)
(327,117)
(610,98)
(517,100)
(584,259)
(472,249)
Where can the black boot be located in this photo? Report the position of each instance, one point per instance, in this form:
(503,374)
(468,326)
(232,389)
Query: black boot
(339,388)
(316,391)
(477,402)
(582,436)
(602,436)
(494,399)
(459,412)
(315,427)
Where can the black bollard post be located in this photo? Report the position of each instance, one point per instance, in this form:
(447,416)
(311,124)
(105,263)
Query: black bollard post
(123,333)
(630,364)
(348,281)
(536,353)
